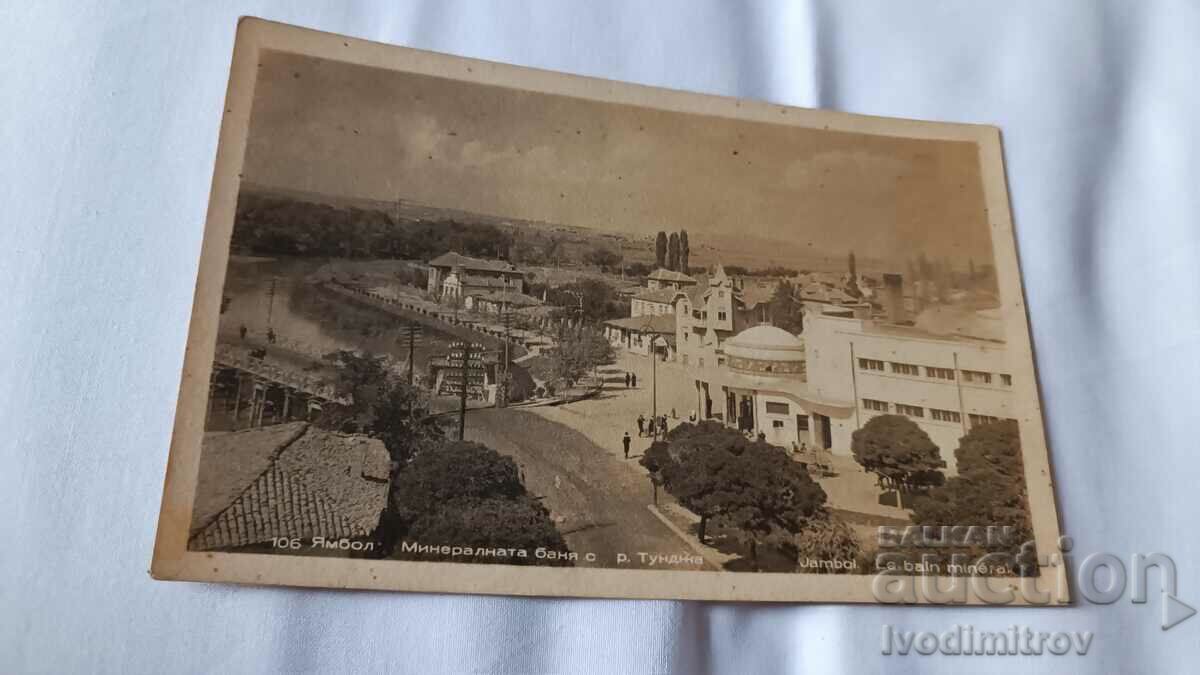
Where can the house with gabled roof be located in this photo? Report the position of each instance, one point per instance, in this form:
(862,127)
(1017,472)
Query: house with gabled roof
(288,481)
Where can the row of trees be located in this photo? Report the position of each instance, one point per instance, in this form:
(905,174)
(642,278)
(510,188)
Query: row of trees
(672,252)
(988,490)
(271,225)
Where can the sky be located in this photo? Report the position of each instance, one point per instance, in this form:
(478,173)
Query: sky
(340,129)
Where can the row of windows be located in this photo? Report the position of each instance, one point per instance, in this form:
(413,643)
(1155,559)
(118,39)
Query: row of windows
(935,414)
(912,369)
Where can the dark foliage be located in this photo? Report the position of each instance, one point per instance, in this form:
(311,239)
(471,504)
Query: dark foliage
(466,494)
(989,488)
(894,448)
(269,225)
(721,475)
(600,300)
(786,309)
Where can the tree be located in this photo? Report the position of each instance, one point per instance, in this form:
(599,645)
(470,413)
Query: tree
(673,251)
(722,476)
(603,258)
(899,452)
(578,352)
(660,250)
(400,418)
(852,288)
(685,252)
(989,488)
(600,300)
(786,309)
(467,494)
(359,376)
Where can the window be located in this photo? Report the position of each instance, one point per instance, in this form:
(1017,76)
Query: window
(976,377)
(944,415)
(905,369)
(1006,380)
(910,410)
(777,424)
(872,404)
(977,420)
(720,316)
(696,314)
(701,361)
(939,373)
(776,408)
(870,364)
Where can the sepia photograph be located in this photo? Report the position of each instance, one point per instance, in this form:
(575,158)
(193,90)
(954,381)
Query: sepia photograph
(477,328)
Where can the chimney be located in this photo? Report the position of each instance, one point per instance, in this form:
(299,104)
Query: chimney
(893,298)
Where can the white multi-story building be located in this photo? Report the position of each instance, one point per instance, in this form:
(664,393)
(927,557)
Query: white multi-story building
(816,390)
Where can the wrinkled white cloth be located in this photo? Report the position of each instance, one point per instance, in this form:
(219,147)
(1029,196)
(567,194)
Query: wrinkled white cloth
(108,126)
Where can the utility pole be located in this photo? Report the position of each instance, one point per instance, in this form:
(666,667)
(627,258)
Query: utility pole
(412,331)
(502,368)
(271,299)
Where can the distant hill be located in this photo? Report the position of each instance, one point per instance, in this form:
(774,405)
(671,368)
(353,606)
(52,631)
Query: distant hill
(528,241)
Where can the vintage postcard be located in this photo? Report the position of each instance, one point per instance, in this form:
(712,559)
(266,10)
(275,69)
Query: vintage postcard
(468,327)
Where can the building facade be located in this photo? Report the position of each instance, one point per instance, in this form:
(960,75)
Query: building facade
(452,275)
(815,391)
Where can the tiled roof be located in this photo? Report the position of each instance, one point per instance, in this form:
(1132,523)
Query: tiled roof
(663,274)
(453,259)
(311,483)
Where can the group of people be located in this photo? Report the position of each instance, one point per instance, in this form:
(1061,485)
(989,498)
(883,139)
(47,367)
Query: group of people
(242,331)
(652,426)
(630,380)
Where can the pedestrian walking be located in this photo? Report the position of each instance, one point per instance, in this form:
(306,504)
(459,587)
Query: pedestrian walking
(641,425)
(242,331)
(626,440)
(627,379)
(633,380)
(662,425)
(674,415)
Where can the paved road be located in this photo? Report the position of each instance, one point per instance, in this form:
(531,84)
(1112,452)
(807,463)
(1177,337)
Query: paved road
(598,499)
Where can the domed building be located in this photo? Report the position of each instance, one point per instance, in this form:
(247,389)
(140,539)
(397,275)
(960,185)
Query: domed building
(766,349)
(762,377)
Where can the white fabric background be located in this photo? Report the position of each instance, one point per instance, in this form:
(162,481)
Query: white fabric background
(108,127)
